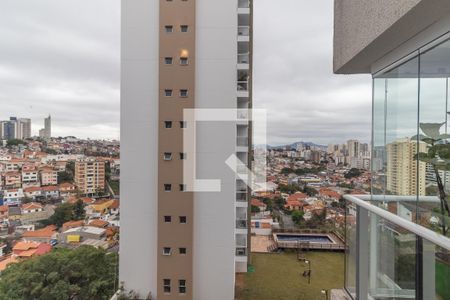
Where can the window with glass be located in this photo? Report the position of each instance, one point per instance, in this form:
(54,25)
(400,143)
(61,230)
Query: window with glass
(166,286)
(410,178)
(182,286)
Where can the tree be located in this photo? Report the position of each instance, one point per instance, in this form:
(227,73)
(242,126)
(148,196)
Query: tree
(289,189)
(279,202)
(64,213)
(65,176)
(286,171)
(70,167)
(310,191)
(268,202)
(297,216)
(255,209)
(78,210)
(108,171)
(14,142)
(438,156)
(353,172)
(83,273)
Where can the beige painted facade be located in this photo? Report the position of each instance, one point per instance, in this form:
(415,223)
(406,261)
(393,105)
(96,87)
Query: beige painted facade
(90,176)
(175,77)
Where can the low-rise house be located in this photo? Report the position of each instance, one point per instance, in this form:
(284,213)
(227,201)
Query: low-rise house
(67,189)
(33,192)
(99,223)
(296,201)
(329,194)
(31,207)
(80,234)
(72,224)
(258,203)
(13,179)
(50,191)
(114,208)
(49,176)
(96,210)
(13,197)
(4,212)
(14,213)
(263,226)
(44,235)
(27,249)
(30,175)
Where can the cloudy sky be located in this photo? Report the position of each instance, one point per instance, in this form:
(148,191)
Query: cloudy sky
(62,58)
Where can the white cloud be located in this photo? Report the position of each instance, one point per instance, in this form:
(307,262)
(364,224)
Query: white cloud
(63,58)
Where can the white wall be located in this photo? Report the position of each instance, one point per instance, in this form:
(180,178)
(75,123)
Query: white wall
(214,213)
(139,145)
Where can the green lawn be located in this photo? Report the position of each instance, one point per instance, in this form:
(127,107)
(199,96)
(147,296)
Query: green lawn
(278,277)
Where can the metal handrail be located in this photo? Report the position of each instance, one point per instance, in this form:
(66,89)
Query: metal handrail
(396,198)
(421,231)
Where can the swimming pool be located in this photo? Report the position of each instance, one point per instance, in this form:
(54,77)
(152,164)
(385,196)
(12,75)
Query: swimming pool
(321,239)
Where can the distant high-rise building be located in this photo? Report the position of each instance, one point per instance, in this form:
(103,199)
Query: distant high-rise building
(46,132)
(25,128)
(353,148)
(15,128)
(405,176)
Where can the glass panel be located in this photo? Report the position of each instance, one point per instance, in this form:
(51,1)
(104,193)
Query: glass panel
(350,249)
(392,261)
(378,144)
(401,125)
(434,73)
(400,167)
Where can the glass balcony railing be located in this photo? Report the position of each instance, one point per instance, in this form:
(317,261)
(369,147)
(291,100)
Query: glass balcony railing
(242,141)
(242,86)
(241,196)
(389,257)
(242,114)
(241,224)
(242,169)
(241,251)
(243,58)
(243,4)
(243,30)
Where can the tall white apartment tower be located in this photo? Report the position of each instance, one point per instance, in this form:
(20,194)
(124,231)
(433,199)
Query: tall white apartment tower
(178,55)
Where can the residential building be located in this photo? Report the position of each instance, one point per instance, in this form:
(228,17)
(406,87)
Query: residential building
(13,179)
(15,128)
(405,176)
(49,176)
(172,53)
(25,128)
(50,191)
(396,246)
(44,235)
(26,249)
(80,234)
(33,192)
(90,176)
(353,148)
(14,196)
(32,207)
(30,175)
(46,132)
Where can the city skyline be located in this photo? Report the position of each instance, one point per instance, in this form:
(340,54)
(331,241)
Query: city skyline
(77,81)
